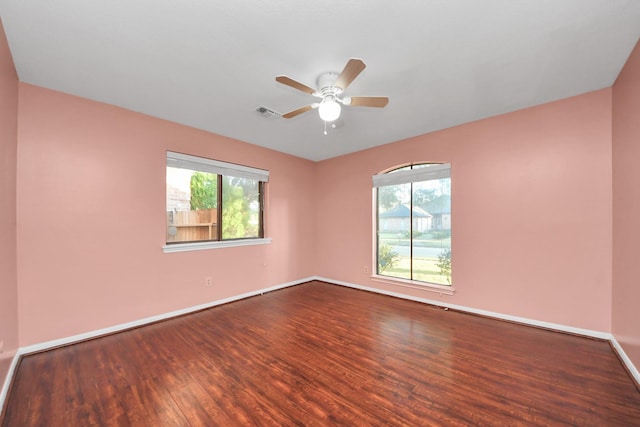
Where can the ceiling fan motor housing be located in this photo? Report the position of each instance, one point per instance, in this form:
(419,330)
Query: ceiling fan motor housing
(326,82)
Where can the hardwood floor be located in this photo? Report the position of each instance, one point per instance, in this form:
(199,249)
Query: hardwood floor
(320,354)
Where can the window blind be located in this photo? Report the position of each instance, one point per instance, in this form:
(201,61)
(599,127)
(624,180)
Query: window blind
(185,161)
(413,175)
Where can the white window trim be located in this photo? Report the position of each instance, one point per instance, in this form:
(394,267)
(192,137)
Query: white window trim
(433,172)
(214,244)
(414,284)
(202,164)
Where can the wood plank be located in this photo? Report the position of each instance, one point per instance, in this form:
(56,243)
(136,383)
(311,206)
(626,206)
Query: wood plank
(320,354)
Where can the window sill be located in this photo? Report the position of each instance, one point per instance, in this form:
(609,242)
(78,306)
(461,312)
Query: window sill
(198,246)
(424,286)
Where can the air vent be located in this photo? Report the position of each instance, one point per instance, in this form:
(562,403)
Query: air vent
(268,112)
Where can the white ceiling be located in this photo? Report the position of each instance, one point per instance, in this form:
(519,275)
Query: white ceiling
(210,63)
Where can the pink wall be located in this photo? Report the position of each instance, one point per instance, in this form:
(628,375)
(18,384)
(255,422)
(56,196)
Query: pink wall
(626,208)
(532,226)
(91,185)
(532,211)
(8,153)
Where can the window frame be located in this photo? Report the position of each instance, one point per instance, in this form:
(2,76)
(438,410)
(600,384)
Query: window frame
(397,176)
(220,169)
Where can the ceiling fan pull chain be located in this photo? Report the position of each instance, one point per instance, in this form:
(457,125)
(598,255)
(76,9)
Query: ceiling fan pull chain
(325,127)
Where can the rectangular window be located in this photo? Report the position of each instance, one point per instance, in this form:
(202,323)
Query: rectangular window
(212,201)
(413,223)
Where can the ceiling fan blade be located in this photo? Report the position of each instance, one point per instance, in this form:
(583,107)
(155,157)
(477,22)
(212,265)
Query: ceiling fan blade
(352,70)
(297,112)
(369,101)
(294,84)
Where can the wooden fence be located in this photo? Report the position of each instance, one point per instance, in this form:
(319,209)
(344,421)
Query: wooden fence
(189,226)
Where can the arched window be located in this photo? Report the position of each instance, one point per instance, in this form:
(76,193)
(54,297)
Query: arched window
(413,223)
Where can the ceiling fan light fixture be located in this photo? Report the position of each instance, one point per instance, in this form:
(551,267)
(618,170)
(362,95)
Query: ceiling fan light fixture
(329,109)
(329,87)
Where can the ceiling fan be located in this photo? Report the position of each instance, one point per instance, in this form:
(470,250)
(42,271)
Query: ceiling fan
(330,86)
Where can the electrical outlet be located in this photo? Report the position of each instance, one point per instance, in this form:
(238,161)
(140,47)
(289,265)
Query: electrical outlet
(1,346)
(366,269)
(208,282)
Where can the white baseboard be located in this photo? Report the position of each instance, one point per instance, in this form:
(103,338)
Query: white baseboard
(553,326)
(141,322)
(8,378)
(22,351)
(625,359)
(516,319)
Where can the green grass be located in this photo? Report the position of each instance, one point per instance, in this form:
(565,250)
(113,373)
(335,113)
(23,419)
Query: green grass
(424,270)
